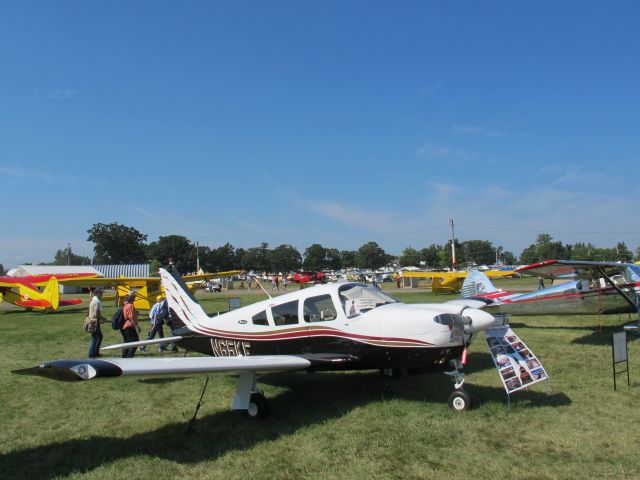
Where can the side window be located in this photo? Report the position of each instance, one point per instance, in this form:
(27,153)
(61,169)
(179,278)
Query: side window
(285,314)
(319,309)
(260,318)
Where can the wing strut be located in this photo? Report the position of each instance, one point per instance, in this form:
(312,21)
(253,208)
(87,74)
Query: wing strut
(193,419)
(618,289)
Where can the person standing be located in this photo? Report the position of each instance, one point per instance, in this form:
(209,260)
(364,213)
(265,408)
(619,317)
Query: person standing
(156,323)
(284,280)
(95,315)
(164,315)
(130,328)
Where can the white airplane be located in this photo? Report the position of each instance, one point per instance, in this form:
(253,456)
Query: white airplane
(328,327)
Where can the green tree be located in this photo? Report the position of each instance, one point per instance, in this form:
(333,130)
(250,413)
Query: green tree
(545,249)
(430,255)
(371,256)
(115,243)
(333,259)
(314,257)
(177,246)
(221,259)
(67,257)
(478,252)
(2,270)
(258,258)
(285,258)
(347,259)
(410,257)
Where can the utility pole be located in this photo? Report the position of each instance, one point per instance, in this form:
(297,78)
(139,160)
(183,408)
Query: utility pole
(453,245)
(68,254)
(197,259)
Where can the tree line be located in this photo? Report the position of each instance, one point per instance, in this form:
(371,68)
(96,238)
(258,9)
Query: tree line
(121,244)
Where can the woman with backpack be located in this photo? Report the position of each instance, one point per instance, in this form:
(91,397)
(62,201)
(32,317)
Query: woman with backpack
(130,328)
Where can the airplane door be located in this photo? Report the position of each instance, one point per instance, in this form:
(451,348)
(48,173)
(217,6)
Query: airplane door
(321,318)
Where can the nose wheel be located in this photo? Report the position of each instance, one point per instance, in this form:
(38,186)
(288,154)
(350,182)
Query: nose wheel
(460,400)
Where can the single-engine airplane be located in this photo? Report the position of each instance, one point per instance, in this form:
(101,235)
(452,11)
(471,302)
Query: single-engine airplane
(594,288)
(327,327)
(308,277)
(25,291)
(147,288)
(451,282)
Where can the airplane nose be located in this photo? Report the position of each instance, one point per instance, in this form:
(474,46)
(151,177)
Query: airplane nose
(480,320)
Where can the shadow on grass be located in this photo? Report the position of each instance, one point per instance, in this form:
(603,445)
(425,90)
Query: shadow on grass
(313,398)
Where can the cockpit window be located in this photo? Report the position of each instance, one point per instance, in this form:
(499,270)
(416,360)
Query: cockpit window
(359,298)
(260,318)
(285,314)
(319,309)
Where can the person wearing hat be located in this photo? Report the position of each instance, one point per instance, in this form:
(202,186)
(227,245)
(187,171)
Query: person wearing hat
(95,316)
(130,328)
(156,323)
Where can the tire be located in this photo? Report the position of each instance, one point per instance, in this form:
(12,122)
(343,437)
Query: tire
(460,400)
(258,406)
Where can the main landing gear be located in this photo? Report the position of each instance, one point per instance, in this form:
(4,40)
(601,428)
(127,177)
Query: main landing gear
(258,406)
(459,400)
(249,398)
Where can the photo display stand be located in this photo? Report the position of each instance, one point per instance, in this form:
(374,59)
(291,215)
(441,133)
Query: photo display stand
(620,355)
(517,366)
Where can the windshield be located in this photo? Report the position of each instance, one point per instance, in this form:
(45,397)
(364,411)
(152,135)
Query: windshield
(633,272)
(359,298)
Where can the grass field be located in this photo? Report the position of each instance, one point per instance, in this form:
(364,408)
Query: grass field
(322,425)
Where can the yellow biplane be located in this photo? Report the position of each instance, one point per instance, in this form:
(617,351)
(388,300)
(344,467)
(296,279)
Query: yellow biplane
(451,282)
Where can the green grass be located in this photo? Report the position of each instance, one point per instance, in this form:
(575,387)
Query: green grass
(323,425)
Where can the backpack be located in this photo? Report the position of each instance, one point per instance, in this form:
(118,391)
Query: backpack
(117,321)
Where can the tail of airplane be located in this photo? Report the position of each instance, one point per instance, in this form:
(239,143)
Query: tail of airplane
(182,303)
(477,283)
(51,293)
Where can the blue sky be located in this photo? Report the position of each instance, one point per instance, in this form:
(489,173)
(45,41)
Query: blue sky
(334,122)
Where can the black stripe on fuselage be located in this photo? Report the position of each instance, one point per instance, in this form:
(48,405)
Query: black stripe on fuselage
(328,352)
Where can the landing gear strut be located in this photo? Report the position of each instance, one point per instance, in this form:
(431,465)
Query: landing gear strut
(459,400)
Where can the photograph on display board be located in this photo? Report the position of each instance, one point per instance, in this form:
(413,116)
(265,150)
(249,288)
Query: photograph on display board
(518,366)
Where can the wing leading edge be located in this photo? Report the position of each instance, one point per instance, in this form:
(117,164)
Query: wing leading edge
(89,368)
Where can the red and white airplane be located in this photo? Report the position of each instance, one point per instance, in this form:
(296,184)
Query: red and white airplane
(327,327)
(593,288)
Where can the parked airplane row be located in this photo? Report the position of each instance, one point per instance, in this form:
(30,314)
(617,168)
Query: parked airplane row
(353,326)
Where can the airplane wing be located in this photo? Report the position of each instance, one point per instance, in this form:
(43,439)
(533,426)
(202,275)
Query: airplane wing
(446,275)
(91,368)
(571,268)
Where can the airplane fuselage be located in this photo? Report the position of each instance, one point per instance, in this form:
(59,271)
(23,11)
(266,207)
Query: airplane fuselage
(324,324)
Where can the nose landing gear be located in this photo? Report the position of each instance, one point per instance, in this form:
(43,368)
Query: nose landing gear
(459,400)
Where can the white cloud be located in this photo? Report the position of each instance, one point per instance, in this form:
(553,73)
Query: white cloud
(58,94)
(35,174)
(444,152)
(477,130)
(377,221)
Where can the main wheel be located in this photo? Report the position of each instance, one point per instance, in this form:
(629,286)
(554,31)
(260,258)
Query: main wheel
(258,406)
(460,400)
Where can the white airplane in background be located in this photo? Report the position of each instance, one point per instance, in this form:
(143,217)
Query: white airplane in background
(328,327)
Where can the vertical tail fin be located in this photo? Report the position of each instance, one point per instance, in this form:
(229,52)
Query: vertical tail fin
(51,293)
(477,283)
(183,304)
